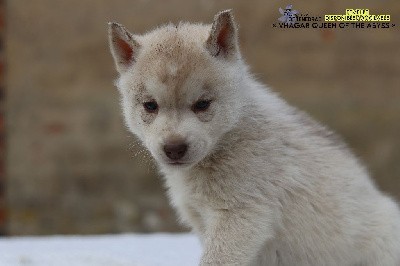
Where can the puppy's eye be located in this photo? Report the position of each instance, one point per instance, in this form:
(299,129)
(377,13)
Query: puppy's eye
(201,105)
(151,106)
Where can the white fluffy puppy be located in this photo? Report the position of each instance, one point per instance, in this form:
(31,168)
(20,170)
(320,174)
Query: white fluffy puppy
(259,181)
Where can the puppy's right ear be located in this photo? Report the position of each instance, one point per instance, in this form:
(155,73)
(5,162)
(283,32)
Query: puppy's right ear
(124,48)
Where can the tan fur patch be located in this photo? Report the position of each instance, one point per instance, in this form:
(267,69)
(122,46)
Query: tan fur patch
(173,55)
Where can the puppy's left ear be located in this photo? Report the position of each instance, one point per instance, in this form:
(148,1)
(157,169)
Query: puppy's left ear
(223,39)
(123,45)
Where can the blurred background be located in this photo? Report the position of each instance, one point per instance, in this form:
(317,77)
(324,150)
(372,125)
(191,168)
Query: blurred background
(70,165)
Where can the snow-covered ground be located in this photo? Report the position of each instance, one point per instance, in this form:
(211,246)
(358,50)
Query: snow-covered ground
(108,250)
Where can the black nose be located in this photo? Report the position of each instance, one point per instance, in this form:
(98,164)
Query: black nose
(175,151)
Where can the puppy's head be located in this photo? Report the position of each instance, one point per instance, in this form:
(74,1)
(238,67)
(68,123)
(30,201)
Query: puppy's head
(179,86)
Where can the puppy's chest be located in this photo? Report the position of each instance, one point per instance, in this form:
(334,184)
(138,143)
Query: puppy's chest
(195,204)
(200,191)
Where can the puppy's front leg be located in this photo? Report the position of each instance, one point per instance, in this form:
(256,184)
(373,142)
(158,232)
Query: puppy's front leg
(234,237)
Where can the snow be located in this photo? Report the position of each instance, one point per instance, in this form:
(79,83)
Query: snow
(107,250)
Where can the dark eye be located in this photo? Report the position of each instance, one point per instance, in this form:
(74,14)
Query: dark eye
(201,105)
(151,106)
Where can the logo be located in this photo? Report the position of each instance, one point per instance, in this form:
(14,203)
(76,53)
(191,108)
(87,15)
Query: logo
(357,18)
(288,15)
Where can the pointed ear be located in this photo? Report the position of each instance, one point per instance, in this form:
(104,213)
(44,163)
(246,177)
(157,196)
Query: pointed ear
(124,48)
(223,40)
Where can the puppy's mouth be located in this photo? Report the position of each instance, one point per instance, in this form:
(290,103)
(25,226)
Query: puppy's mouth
(178,163)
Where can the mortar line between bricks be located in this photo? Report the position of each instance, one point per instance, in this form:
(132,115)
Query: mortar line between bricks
(3,212)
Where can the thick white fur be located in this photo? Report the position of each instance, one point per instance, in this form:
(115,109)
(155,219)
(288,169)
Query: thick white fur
(263,183)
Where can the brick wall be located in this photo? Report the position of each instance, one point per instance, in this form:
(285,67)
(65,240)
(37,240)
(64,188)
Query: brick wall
(70,168)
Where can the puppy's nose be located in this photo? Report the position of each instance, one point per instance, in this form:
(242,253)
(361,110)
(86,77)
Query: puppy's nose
(175,150)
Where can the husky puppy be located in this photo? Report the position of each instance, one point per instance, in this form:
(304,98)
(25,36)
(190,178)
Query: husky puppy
(260,182)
